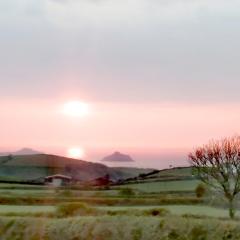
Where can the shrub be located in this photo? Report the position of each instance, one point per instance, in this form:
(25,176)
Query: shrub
(138,212)
(173,234)
(137,234)
(200,190)
(157,212)
(126,192)
(73,209)
(196,216)
(199,232)
(66,193)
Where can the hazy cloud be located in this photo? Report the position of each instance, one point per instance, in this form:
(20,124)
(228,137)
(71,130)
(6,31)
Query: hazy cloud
(129,50)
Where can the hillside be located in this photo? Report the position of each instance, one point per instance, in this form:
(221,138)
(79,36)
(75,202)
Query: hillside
(177,173)
(33,168)
(179,179)
(130,172)
(172,174)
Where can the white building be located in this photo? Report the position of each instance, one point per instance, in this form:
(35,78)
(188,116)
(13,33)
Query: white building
(57,180)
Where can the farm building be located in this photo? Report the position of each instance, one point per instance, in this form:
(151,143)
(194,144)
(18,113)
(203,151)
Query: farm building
(101,181)
(58,180)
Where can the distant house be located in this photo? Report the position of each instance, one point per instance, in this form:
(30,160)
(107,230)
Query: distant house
(101,181)
(58,180)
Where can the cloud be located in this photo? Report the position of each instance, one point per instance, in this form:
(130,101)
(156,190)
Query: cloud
(128,11)
(129,50)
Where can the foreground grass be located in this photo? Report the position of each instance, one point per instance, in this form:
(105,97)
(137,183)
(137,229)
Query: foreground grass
(118,228)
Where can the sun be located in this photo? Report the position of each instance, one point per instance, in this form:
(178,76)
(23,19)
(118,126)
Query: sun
(76,152)
(76,109)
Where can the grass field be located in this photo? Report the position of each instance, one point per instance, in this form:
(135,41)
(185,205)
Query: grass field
(155,210)
(52,192)
(180,210)
(174,172)
(151,187)
(174,209)
(25,209)
(118,228)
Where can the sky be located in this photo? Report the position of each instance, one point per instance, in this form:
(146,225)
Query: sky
(159,77)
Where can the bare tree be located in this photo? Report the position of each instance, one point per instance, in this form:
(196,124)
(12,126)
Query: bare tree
(218,165)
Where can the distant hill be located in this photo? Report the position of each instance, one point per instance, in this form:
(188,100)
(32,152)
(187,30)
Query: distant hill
(23,151)
(34,168)
(117,157)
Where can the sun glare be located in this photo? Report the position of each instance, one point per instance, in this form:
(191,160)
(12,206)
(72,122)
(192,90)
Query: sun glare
(76,152)
(76,109)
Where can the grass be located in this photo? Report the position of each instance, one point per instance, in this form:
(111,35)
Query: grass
(146,187)
(199,210)
(21,186)
(52,192)
(173,209)
(118,228)
(26,192)
(151,187)
(180,210)
(150,213)
(25,209)
(182,171)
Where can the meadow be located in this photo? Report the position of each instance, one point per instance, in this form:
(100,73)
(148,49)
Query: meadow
(146,209)
(118,228)
(203,211)
(164,186)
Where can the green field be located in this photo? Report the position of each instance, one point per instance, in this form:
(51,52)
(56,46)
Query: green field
(179,210)
(173,172)
(118,228)
(153,209)
(174,209)
(25,209)
(164,186)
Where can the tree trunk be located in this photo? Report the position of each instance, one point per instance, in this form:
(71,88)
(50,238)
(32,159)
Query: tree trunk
(231,209)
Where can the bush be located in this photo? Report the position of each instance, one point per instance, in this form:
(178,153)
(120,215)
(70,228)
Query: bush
(126,192)
(157,212)
(200,190)
(65,193)
(138,212)
(73,209)
(199,232)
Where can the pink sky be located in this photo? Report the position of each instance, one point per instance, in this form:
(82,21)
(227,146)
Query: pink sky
(161,77)
(142,129)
